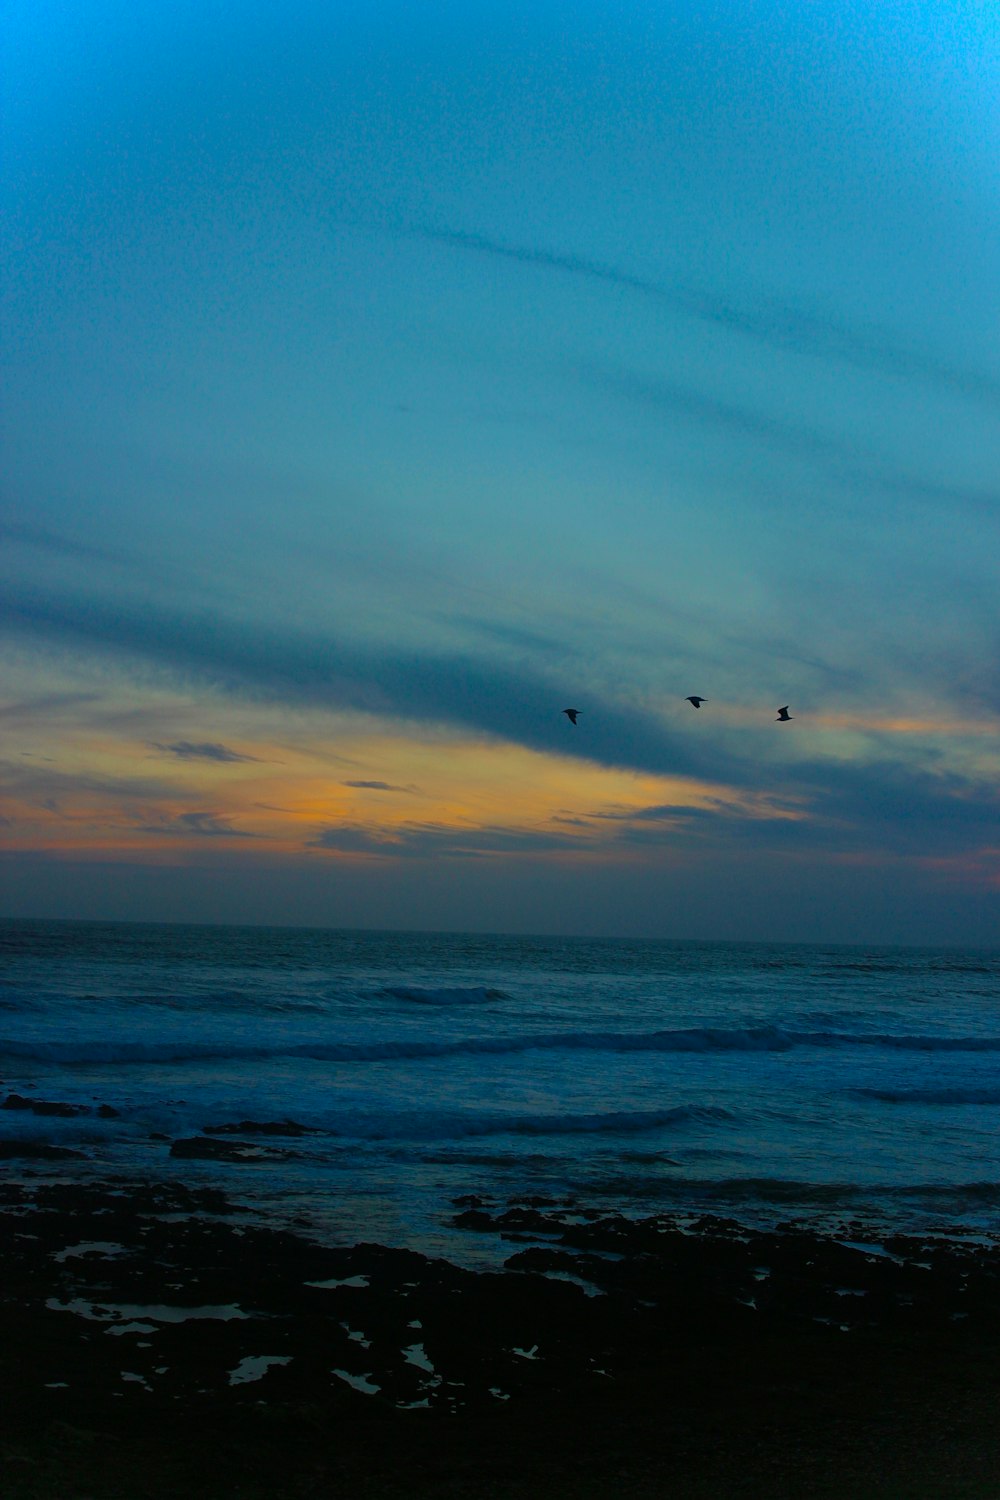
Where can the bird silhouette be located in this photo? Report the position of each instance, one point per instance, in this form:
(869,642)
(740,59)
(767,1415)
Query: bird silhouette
(695,701)
(571,714)
(784,715)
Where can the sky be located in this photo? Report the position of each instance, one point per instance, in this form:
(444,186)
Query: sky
(382,378)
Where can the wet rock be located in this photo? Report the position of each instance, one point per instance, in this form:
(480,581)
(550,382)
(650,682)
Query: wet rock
(207,1148)
(43,1106)
(262,1127)
(37,1151)
(58,1109)
(473,1218)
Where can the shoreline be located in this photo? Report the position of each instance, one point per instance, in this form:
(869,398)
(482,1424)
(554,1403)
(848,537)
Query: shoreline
(162,1344)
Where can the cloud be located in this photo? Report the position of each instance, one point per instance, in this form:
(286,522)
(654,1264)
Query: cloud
(29,709)
(840,456)
(769,321)
(48,541)
(832,807)
(185,750)
(199,824)
(889,805)
(669,812)
(38,784)
(433,840)
(892,804)
(506,634)
(378,786)
(460,691)
(687,402)
(576,265)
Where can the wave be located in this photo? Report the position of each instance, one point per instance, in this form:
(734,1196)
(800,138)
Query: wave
(471,995)
(450,1126)
(695,1039)
(436,1125)
(929,1096)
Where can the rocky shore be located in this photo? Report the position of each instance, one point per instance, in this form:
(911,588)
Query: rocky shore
(159,1342)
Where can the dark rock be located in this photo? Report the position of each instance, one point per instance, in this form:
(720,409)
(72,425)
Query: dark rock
(206,1148)
(473,1218)
(37,1151)
(43,1106)
(263,1127)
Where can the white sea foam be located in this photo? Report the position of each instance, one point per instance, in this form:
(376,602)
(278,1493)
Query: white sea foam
(156,1312)
(255,1367)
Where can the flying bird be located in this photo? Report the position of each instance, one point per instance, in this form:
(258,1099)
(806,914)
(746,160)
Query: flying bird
(784,715)
(695,700)
(571,714)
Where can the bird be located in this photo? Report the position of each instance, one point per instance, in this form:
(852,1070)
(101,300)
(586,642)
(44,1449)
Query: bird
(784,715)
(571,714)
(695,701)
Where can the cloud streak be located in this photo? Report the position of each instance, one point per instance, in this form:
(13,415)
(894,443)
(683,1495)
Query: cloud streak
(840,456)
(459,691)
(186,750)
(433,840)
(37,784)
(206,825)
(777,324)
(378,786)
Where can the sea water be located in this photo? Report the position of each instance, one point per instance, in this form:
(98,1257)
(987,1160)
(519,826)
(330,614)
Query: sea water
(760,1081)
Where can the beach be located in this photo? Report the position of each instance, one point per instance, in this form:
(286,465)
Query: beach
(160,1342)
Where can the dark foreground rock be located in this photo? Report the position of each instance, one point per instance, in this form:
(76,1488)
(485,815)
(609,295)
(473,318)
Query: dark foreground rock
(158,1342)
(210,1148)
(25,1150)
(58,1109)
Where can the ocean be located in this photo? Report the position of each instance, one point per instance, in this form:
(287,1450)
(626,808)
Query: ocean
(763,1082)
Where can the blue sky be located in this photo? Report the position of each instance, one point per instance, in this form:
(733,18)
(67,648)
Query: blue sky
(380,379)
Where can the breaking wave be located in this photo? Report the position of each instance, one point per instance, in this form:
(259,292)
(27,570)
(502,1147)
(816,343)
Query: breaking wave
(695,1039)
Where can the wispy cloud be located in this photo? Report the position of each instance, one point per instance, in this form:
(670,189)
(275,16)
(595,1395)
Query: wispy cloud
(27,710)
(208,750)
(550,260)
(840,456)
(35,783)
(205,825)
(837,807)
(768,320)
(685,401)
(669,812)
(433,840)
(891,805)
(378,786)
(460,691)
(39,538)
